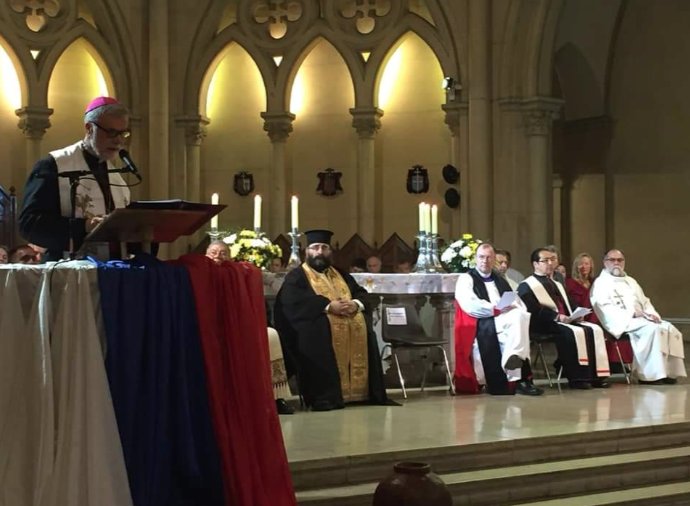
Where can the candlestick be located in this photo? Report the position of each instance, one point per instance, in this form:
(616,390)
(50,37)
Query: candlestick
(294,212)
(257,212)
(294,260)
(214,220)
(434,219)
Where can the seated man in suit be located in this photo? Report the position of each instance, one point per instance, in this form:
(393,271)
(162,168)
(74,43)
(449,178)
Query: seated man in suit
(581,346)
(491,345)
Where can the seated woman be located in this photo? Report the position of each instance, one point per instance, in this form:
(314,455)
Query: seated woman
(579,283)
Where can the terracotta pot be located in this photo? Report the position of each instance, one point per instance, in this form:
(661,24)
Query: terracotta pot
(412,484)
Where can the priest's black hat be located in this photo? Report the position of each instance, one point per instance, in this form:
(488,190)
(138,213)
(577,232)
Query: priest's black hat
(318,236)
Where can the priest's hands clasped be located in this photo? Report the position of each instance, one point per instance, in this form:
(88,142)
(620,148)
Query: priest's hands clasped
(342,307)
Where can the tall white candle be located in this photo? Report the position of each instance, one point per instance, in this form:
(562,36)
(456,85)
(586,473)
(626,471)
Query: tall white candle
(214,220)
(257,212)
(421,216)
(425,218)
(434,219)
(294,212)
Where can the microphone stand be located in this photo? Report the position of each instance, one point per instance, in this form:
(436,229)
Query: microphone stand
(74,176)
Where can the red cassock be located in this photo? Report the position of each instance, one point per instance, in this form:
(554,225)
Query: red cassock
(232,324)
(464,379)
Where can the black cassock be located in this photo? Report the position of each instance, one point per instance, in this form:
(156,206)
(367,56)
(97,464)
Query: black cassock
(543,320)
(305,335)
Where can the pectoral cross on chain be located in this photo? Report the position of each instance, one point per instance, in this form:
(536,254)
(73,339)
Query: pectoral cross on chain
(619,301)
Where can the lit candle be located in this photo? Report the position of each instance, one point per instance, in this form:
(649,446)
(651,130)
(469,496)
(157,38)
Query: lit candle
(425,217)
(294,212)
(421,216)
(214,220)
(434,219)
(257,212)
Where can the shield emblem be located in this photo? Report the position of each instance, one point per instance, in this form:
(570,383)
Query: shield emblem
(417,180)
(243,183)
(329,183)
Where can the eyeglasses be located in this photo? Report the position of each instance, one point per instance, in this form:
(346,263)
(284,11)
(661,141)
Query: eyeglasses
(317,247)
(111,133)
(546,260)
(614,260)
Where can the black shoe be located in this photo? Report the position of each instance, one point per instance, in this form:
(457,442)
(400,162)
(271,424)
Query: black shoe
(655,382)
(284,408)
(580,385)
(322,406)
(528,388)
(514,362)
(669,381)
(600,383)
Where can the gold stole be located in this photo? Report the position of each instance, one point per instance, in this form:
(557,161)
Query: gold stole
(348,334)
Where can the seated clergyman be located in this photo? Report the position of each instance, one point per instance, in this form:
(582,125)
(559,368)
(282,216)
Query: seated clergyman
(581,346)
(491,344)
(622,307)
(324,320)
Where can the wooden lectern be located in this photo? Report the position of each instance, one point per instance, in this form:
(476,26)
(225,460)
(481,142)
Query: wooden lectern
(158,221)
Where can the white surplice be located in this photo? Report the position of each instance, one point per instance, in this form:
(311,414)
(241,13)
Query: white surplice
(657,347)
(512,327)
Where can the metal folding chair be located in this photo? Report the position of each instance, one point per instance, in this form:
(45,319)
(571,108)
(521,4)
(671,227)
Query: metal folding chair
(402,329)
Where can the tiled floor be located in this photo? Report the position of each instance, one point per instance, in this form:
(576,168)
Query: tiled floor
(434,419)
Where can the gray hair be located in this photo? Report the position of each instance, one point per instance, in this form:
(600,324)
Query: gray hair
(94,115)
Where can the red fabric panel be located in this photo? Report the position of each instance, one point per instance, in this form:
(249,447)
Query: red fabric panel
(232,324)
(464,378)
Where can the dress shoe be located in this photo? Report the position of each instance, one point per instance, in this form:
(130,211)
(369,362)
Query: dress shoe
(600,383)
(514,362)
(580,385)
(284,408)
(669,381)
(322,406)
(528,388)
(655,382)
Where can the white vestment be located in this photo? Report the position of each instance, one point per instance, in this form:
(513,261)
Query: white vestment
(512,327)
(59,442)
(657,347)
(279,380)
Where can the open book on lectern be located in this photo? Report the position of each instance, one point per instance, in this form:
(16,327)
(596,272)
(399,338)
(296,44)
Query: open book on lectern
(149,221)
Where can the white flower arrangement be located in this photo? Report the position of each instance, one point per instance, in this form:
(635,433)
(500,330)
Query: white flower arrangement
(248,246)
(460,255)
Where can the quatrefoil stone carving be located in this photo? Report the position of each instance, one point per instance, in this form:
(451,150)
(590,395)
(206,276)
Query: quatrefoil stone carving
(278,13)
(36,10)
(366,12)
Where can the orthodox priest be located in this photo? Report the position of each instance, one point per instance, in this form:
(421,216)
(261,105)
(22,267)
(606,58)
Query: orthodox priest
(325,326)
(622,307)
(581,346)
(491,344)
(48,205)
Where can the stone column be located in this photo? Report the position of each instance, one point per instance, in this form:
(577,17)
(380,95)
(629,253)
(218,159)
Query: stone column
(480,195)
(278,125)
(557,221)
(33,121)
(159,109)
(367,121)
(194,133)
(456,116)
(539,113)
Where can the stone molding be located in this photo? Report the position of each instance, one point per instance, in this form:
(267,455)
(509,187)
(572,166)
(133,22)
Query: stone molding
(278,125)
(194,128)
(366,120)
(34,121)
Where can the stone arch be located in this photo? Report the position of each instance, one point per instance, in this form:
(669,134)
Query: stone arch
(103,54)
(22,67)
(577,83)
(292,62)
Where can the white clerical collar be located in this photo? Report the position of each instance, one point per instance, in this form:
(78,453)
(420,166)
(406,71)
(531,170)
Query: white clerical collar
(485,277)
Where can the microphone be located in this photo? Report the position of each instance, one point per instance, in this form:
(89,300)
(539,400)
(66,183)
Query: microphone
(124,155)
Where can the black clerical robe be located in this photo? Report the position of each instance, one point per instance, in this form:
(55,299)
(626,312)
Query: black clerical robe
(544,321)
(305,334)
(467,329)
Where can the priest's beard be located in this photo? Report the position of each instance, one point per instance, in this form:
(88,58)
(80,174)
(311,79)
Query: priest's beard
(319,262)
(618,272)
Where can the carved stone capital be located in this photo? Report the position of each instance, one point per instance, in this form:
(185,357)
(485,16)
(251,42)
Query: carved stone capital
(454,111)
(34,121)
(278,125)
(538,112)
(194,128)
(366,120)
